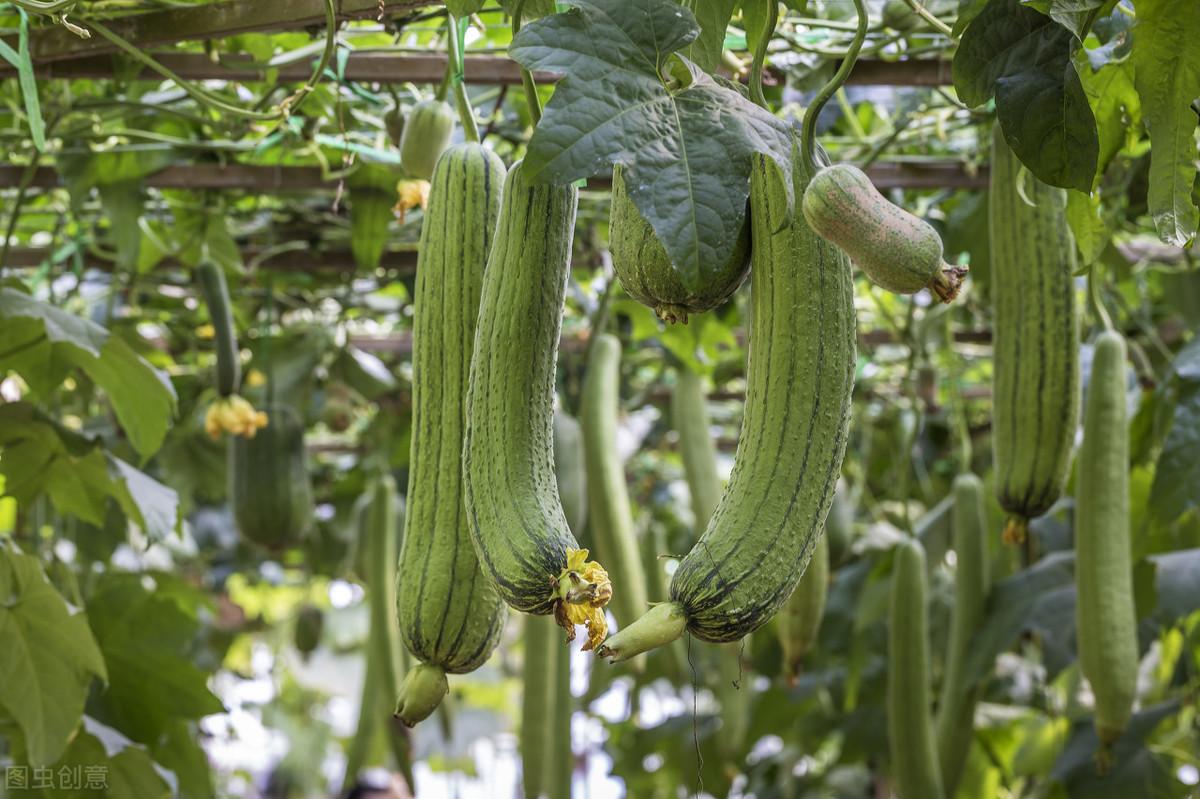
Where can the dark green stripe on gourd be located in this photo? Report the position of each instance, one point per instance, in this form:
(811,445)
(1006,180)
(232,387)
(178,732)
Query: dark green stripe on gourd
(1106,621)
(955,724)
(800,378)
(425,136)
(215,291)
(450,614)
(910,729)
(645,271)
(373,195)
(513,507)
(1035,383)
(610,518)
(269,487)
(897,251)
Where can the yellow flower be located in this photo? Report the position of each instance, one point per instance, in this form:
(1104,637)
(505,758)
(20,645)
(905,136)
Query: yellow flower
(412,194)
(233,415)
(205,331)
(583,591)
(255,378)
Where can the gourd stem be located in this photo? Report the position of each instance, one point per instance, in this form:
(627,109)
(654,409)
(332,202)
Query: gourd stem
(827,91)
(466,114)
(760,54)
(657,627)
(531,96)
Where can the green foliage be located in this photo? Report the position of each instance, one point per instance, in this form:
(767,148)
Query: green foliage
(635,98)
(48,660)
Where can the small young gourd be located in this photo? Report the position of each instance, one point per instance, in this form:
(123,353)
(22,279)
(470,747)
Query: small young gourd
(425,136)
(898,251)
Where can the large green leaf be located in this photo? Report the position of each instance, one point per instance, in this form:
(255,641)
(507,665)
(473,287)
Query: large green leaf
(1177,475)
(1116,106)
(146,640)
(77,474)
(1136,769)
(1166,63)
(141,396)
(1074,15)
(47,659)
(1023,58)
(713,17)
(684,139)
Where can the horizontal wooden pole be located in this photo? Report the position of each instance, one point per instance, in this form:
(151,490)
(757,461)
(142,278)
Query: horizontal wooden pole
(206,21)
(316,261)
(280,179)
(385,67)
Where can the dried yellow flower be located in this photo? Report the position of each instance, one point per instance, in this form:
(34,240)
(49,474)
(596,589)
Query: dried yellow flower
(583,590)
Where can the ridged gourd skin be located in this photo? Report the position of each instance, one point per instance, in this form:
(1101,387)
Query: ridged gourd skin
(269,486)
(1035,381)
(450,614)
(800,377)
(425,136)
(215,291)
(955,724)
(610,517)
(645,271)
(800,620)
(914,757)
(1106,619)
(513,508)
(898,251)
(372,193)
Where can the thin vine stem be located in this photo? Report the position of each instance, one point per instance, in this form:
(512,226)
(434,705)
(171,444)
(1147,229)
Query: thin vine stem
(466,113)
(827,91)
(531,95)
(760,54)
(203,96)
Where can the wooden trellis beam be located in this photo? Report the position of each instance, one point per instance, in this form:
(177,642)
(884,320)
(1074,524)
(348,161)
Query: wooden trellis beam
(384,67)
(281,179)
(207,21)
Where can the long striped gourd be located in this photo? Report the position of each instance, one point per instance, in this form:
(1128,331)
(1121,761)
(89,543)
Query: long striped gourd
(513,507)
(425,136)
(372,190)
(1035,383)
(689,414)
(898,251)
(570,474)
(839,524)
(910,728)
(215,291)
(538,710)
(955,727)
(800,378)
(610,519)
(645,270)
(1106,623)
(570,470)
(800,620)
(378,534)
(269,486)
(450,614)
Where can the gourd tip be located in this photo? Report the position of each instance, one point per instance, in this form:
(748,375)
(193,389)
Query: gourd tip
(947,282)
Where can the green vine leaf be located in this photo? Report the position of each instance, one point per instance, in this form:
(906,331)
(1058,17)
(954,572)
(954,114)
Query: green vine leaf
(42,343)
(48,658)
(1024,59)
(684,139)
(1166,68)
